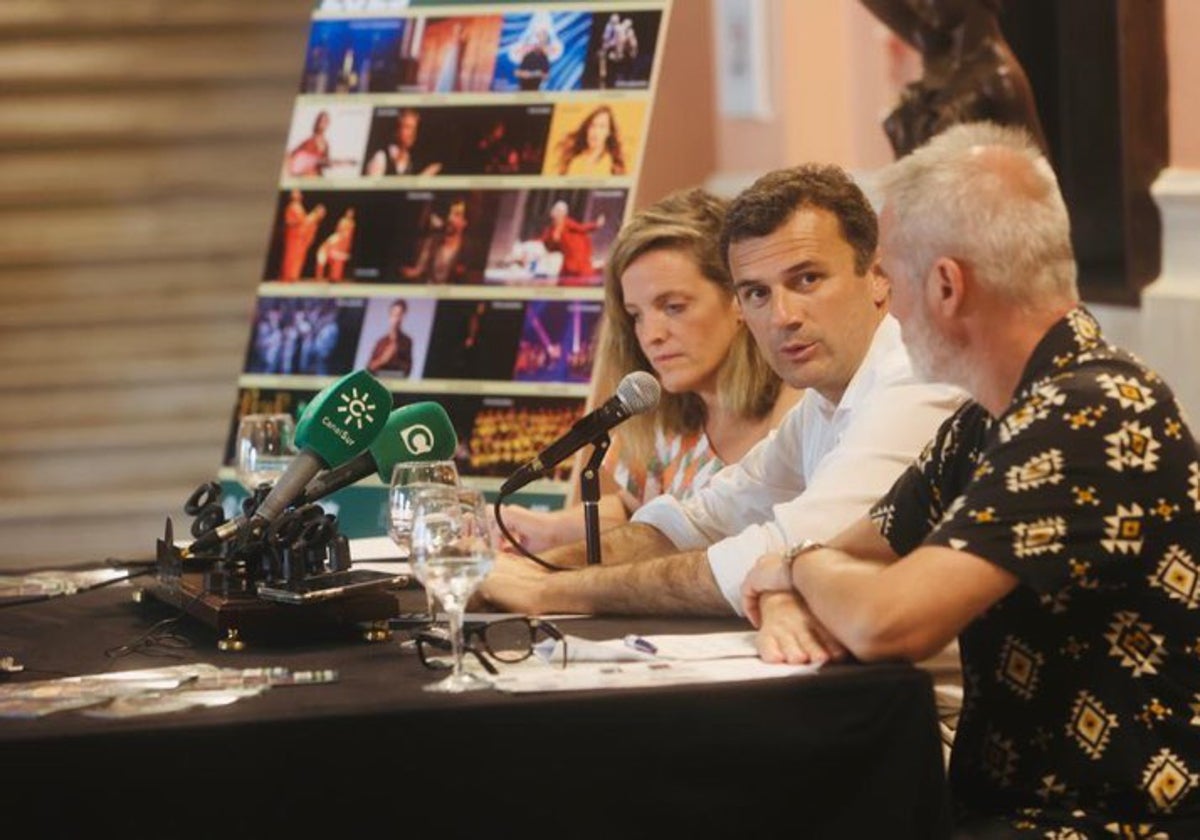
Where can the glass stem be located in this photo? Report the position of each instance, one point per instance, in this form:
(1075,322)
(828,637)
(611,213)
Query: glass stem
(455,613)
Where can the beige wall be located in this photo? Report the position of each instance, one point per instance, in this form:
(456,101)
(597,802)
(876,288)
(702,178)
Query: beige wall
(1183,93)
(681,148)
(835,73)
(830,86)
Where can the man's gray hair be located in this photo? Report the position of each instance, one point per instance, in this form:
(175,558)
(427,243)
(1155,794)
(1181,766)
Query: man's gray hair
(985,195)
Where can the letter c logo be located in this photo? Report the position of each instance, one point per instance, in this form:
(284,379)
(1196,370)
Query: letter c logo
(418,439)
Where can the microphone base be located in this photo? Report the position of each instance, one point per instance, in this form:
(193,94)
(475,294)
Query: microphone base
(230,603)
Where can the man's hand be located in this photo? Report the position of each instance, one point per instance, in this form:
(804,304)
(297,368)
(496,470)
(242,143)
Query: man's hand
(768,575)
(790,633)
(514,585)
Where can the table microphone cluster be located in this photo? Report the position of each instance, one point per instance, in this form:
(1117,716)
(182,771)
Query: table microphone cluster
(296,548)
(284,548)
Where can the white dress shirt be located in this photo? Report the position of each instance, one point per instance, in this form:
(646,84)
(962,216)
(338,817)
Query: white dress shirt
(818,472)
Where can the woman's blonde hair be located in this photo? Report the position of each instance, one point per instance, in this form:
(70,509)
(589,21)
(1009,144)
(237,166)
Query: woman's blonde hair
(689,222)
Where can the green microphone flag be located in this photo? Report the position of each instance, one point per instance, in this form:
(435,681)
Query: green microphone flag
(345,418)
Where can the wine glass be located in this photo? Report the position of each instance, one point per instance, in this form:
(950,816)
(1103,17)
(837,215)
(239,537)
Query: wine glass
(452,551)
(265,447)
(407,477)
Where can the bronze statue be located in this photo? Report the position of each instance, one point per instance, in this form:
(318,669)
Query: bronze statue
(968,70)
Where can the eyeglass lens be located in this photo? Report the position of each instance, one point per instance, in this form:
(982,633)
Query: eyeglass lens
(512,640)
(508,640)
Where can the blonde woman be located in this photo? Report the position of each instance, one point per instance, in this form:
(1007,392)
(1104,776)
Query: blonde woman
(670,309)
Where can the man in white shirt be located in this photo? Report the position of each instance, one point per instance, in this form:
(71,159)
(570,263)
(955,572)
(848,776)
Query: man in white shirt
(801,248)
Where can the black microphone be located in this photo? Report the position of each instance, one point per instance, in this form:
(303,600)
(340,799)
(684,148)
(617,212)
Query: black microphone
(638,392)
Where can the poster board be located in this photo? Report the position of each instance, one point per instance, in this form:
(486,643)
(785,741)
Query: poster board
(455,172)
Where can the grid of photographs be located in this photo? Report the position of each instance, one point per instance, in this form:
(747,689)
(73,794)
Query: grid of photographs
(507,237)
(336,141)
(527,50)
(453,179)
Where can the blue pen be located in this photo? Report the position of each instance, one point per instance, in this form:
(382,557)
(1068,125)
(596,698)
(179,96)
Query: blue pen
(638,643)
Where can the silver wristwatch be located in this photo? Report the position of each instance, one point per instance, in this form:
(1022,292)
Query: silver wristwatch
(802,547)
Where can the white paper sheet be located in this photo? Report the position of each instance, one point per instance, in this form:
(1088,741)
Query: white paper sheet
(680,647)
(582,676)
(680,659)
(378,554)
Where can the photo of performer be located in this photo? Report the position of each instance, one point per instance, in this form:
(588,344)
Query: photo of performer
(396,153)
(572,239)
(352,56)
(495,152)
(557,237)
(348,240)
(395,336)
(267,338)
(322,350)
(311,157)
(594,147)
(535,57)
(393,352)
(299,230)
(304,336)
(442,255)
(450,60)
(618,50)
(595,141)
(506,432)
(558,341)
(441,238)
(542,51)
(456,54)
(496,139)
(475,339)
(310,150)
(621,51)
(335,251)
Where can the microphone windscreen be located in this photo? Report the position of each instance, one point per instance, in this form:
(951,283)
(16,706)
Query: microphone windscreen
(418,432)
(639,391)
(344,418)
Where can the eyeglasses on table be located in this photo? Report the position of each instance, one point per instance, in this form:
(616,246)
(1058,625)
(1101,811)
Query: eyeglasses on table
(506,640)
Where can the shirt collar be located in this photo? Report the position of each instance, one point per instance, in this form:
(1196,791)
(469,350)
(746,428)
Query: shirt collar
(1075,333)
(886,346)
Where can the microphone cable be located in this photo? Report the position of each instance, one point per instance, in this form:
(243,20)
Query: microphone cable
(160,639)
(20,601)
(546,564)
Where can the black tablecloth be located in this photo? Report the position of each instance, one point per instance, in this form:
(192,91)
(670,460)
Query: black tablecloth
(850,752)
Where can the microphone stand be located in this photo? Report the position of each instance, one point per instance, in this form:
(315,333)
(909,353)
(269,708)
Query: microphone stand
(589,481)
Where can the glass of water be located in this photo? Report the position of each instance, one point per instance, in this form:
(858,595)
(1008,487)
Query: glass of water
(452,551)
(265,447)
(407,478)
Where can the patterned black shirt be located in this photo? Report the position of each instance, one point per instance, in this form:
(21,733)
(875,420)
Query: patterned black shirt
(1081,688)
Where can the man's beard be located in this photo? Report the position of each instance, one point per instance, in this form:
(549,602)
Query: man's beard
(933,357)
